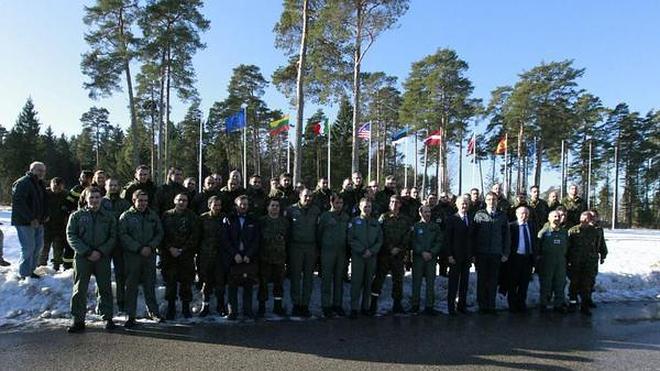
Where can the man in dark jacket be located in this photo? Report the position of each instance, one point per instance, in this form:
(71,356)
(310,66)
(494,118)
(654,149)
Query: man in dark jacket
(73,198)
(242,235)
(256,196)
(55,227)
(491,247)
(459,255)
(166,192)
(142,182)
(201,200)
(28,214)
(524,250)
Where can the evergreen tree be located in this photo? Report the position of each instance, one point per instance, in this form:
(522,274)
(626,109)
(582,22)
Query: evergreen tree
(96,120)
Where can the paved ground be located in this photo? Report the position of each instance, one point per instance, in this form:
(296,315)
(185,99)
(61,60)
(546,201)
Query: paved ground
(619,336)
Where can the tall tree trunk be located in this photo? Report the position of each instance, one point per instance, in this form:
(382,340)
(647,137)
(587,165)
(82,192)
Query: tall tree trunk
(300,95)
(166,162)
(355,164)
(539,163)
(158,175)
(135,158)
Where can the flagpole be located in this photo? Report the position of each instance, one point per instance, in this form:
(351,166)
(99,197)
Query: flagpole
(589,177)
(245,146)
(416,166)
(201,137)
(563,172)
(460,164)
(369,155)
(616,184)
(327,126)
(288,153)
(426,162)
(405,165)
(506,164)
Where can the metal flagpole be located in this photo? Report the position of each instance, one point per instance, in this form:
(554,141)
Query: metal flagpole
(405,165)
(288,153)
(201,137)
(563,173)
(460,165)
(245,147)
(589,177)
(415,179)
(369,155)
(327,127)
(506,164)
(616,184)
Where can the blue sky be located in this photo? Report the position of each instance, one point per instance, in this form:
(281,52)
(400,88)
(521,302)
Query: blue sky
(616,41)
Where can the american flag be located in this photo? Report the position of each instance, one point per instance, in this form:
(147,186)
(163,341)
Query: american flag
(365,131)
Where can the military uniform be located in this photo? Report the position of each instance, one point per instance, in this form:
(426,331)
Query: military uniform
(287,197)
(553,245)
(165,196)
(272,258)
(583,254)
(363,234)
(181,231)
(137,230)
(382,201)
(55,231)
(540,209)
(209,264)
(427,237)
(257,201)
(200,203)
(574,207)
(332,232)
(134,185)
(321,199)
(89,231)
(396,234)
(410,207)
(115,206)
(228,198)
(73,197)
(302,250)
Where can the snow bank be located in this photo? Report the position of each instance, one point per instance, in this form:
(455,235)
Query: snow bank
(631,272)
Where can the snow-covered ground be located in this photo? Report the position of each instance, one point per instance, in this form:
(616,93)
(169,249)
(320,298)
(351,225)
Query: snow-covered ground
(631,272)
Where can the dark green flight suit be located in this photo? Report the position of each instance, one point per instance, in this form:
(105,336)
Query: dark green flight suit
(553,246)
(332,232)
(137,230)
(396,234)
(363,234)
(182,232)
(209,263)
(302,250)
(272,256)
(115,206)
(86,232)
(426,237)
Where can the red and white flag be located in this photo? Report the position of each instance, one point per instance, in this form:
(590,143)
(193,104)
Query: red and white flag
(434,139)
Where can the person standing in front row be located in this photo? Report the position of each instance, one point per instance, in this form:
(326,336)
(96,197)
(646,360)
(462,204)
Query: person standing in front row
(492,241)
(365,238)
(524,250)
(272,256)
(458,241)
(553,246)
(332,232)
(426,245)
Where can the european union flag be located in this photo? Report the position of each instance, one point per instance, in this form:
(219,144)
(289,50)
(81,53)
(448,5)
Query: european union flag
(235,122)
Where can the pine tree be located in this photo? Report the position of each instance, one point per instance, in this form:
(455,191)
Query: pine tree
(96,120)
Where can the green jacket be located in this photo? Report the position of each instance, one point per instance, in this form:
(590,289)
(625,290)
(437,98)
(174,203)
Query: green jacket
(274,236)
(212,235)
(149,187)
(396,232)
(321,199)
(365,234)
(584,244)
(115,205)
(303,223)
(88,231)
(165,196)
(553,243)
(427,237)
(58,212)
(541,210)
(181,230)
(332,230)
(574,207)
(137,230)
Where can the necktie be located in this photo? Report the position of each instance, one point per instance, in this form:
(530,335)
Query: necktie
(465,220)
(526,236)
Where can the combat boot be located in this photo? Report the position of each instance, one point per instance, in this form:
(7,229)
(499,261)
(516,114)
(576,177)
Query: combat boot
(56,267)
(339,311)
(304,311)
(110,325)
(205,309)
(222,310)
(327,312)
(171,310)
(278,309)
(296,312)
(76,328)
(397,308)
(584,309)
(185,309)
(261,312)
(373,306)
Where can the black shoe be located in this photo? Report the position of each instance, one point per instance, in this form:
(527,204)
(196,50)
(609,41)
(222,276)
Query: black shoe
(278,309)
(397,308)
(591,304)
(561,309)
(414,309)
(373,306)
(56,267)
(304,311)
(462,309)
(261,312)
(429,311)
(572,307)
(185,310)
(297,311)
(77,327)
(327,312)
(35,276)
(205,310)
(4,263)
(232,316)
(130,323)
(339,311)
(585,310)
(171,311)
(222,310)
(110,325)
(451,311)
(353,315)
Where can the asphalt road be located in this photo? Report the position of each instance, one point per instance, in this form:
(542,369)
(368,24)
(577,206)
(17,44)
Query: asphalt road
(619,336)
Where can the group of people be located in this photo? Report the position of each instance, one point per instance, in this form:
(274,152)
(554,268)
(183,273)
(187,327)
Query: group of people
(232,239)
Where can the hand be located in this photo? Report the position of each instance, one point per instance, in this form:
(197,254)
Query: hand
(504,259)
(366,254)
(427,256)
(175,252)
(238,258)
(395,251)
(146,251)
(246,260)
(94,256)
(451,260)
(602,260)
(34,223)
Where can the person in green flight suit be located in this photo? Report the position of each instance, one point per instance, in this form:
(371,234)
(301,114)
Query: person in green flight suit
(553,246)
(426,245)
(332,232)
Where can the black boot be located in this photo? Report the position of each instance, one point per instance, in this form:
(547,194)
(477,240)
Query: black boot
(130,323)
(296,312)
(261,312)
(185,309)
(56,267)
(584,309)
(373,306)
(171,310)
(222,309)
(339,311)
(304,311)
(205,309)
(110,325)
(327,312)
(397,308)
(278,309)
(76,328)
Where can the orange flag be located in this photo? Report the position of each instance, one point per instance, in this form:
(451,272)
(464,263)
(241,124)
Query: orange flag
(501,146)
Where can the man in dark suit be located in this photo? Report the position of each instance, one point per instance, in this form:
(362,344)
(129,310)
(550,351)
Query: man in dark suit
(459,252)
(242,235)
(524,249)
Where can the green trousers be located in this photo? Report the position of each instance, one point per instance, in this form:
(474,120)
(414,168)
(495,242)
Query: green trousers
(83,269)
(140,271)
(362,275)
(332,280)
(423,269)
(552,279)
(302,258)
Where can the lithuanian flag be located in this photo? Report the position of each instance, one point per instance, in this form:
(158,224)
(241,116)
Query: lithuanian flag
(279,126)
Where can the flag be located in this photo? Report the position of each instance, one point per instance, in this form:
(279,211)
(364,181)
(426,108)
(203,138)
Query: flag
(501,146)
(434,139)
(284,121)
(365,131)
(319,127)
(471,145)
(400,135)
(235,122)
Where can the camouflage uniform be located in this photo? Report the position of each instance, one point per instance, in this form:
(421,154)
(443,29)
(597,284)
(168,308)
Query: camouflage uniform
(134,185)
(396,234)
(228,198)
(200,203)
(55,231)
(209,263)
(272,256)
(321,199)
(585,246)
(115,205)
(574,207)
(287,197)
(540,210)
(182,232)
(382,201)
(165,196)
(257,201)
